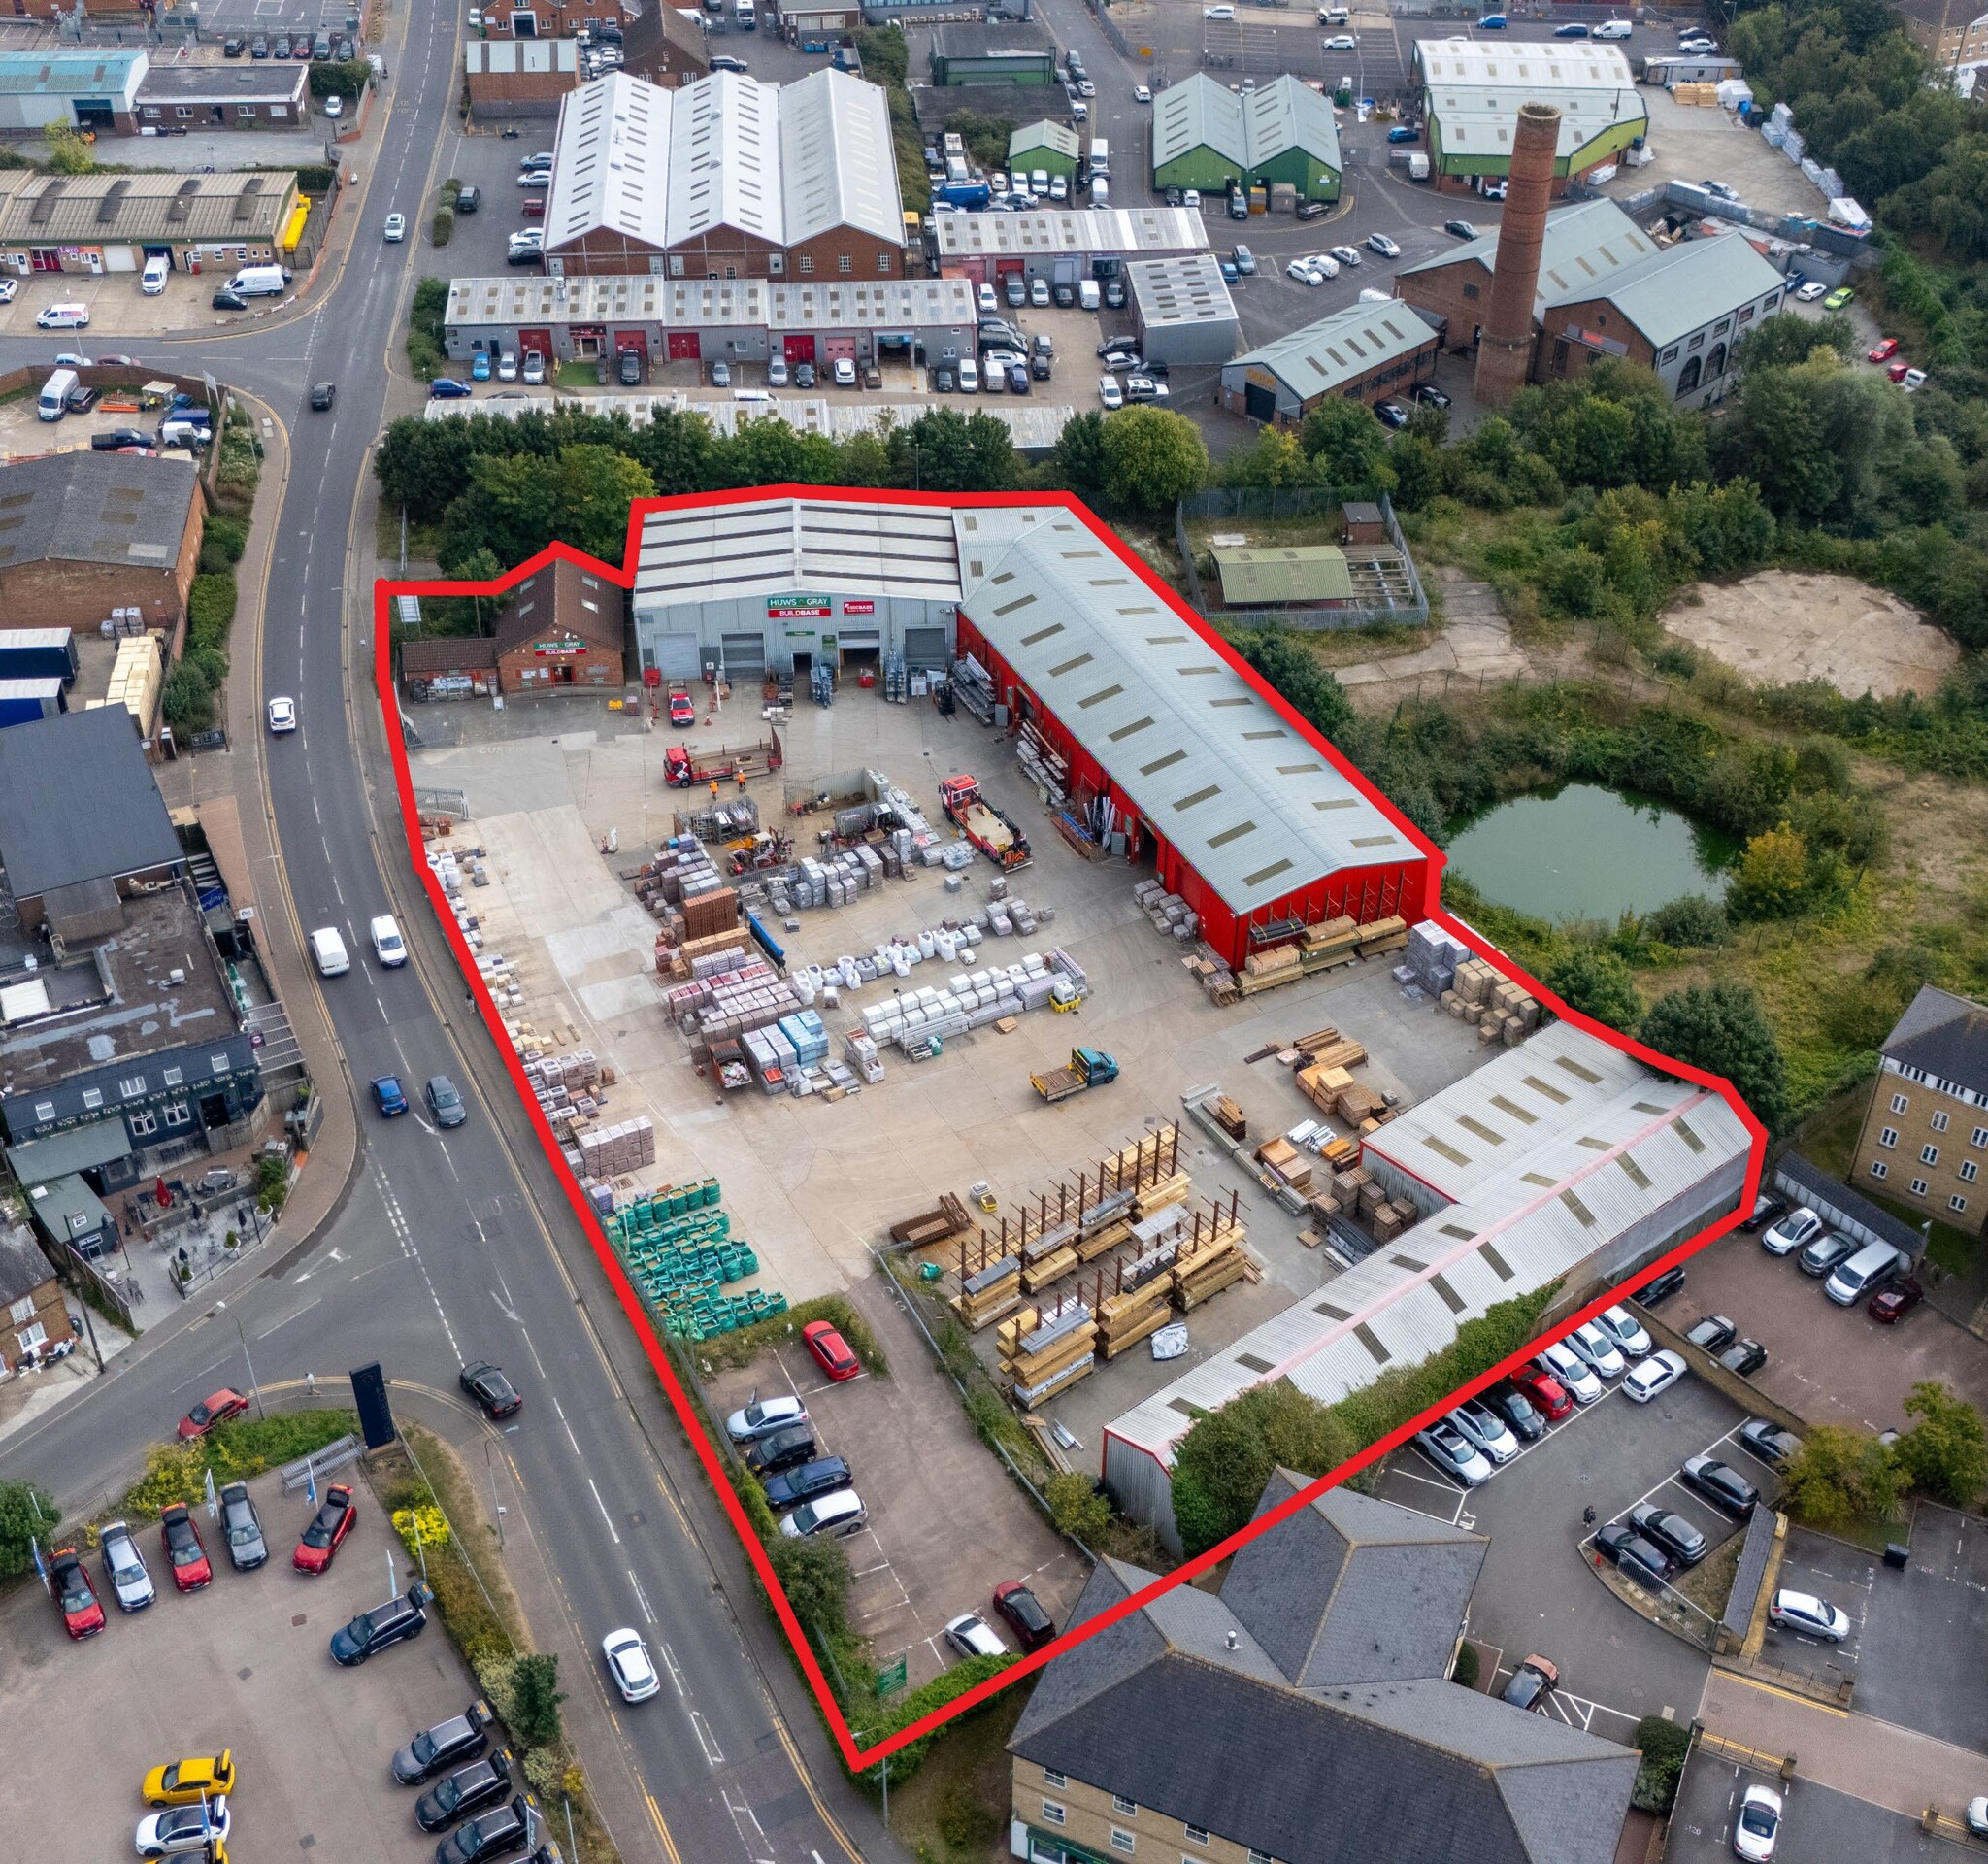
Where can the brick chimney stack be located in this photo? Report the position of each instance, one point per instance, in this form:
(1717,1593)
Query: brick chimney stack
(1504,348)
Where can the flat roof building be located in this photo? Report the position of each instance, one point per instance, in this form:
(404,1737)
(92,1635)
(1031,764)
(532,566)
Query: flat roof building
(1366,351)
(1185,316)
(1471,90)
(1064,246)
(79,88)
(519,79)
(1011,52)
(234,94)
(1204,135)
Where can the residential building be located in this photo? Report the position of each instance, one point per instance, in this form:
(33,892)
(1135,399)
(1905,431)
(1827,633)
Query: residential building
(1304,1714)
(1925,1136)
(1364,352)
(93,89)
(1605,288)
(1471,90)
(238,93)
(84,533)
(31,1297)
(90,224)
(1953,33)
(1011,52)
(1206,135)
(666,47)
(1183,312)
(725,177)
(513,80)
(562,629)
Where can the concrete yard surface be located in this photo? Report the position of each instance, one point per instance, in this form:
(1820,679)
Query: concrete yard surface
(1818,1825)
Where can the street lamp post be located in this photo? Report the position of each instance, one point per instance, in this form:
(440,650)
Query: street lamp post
(248,1359)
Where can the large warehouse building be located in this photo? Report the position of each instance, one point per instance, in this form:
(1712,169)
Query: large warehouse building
(1064,245)
(1168,741)
(1471,90)
(1563,1159)
(1204,135)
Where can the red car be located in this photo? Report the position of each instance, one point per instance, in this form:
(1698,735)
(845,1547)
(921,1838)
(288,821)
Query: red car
(330,1525)
(185,1552)
(226,1403)
(682,709)
(81,1616)
(1891,1305)
(1544,1390)
(1883,350)
(1900,370)
(831,1351)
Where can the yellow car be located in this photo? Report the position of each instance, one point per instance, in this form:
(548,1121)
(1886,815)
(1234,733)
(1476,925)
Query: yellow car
(185,1781)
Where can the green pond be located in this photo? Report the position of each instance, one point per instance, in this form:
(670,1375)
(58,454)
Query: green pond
(1586,853)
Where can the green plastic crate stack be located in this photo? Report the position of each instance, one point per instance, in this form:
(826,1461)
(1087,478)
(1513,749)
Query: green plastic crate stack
(711,1314)
(679,1247)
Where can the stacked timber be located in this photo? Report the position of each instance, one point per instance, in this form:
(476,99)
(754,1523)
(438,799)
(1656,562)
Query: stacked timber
(1125,1319)
(1046,1350)
(1335,941)
(932,1228)
(1285,1162)
(985,1294)
(1228,1116)
(1162,1194)
(1266,970)
(1210,1268)
(1327,1048)
(1383,935)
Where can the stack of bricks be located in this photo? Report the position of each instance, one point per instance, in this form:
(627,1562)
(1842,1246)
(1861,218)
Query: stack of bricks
(1501,1010)
(608,1151)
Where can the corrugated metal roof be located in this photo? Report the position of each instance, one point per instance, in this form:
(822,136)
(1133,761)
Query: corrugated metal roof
(1082,232)
(1337,349)
(150,204)
(1060,137)
(724,158)
(1604,1163)
(611,163)
(1303,573)
(68,73)
(1252,805)
(1170,293)
(1527,65)
(686,304)
(1482,123)
(838,163)
(1249,131)
(783,544)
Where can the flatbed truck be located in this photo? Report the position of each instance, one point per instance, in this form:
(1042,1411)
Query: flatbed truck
(1088,1068)
(982,823)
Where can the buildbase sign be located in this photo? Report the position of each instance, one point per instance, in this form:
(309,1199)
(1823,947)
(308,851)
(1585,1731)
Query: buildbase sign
(635,1309)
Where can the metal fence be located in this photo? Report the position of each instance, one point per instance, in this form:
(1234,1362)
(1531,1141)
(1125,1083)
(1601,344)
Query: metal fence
(1242,503)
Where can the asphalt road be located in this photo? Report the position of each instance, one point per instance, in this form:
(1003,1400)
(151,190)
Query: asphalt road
(449,1248)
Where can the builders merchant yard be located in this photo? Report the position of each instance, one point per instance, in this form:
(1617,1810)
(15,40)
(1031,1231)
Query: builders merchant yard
(998,928)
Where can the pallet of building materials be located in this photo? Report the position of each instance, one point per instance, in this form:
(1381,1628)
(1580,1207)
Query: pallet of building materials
(987,1301)
(1161,1195)
(1330,943)
(1322,1086)
(1103,1240)
(1051,1338)
(1228,1116)
(1385,1223)
(1048,1269)
(1206,1276)
(941,1225)
(1029,1397)
(1341,1154)
(1383,935)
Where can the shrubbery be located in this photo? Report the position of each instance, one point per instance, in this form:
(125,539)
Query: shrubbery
(1663,1745)
(234,1453)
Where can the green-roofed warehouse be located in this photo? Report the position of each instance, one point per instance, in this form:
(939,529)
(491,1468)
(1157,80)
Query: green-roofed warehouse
(1050,147)
(1366,351)
(1205,134)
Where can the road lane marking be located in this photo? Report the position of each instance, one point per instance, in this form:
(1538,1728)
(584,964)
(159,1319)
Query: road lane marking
(641,1598)
(603,1507)
(709,1742)
(670,1663)
(288,1318)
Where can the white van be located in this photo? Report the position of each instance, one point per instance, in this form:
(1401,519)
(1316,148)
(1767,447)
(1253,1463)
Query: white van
(1873,1265)
(259,281)
(64,316)
(386,941)
(1088,297)
(328,951)
(152,280)
(55,391)
(177,432)
(1101,156)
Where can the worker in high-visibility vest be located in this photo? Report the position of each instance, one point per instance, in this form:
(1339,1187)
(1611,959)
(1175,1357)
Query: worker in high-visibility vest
(713,789)
(740,775)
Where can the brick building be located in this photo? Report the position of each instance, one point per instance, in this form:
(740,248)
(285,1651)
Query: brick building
(553,18)
(561,630)
(85,225)
(1953,33)
(1366,351)
(665,47)
(239,94)
(1925,1137)
(727,178)
(84,533)
(1608,288)
(519,78)
(37,1315)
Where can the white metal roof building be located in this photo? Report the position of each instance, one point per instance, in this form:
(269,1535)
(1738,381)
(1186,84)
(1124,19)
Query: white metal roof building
(1471,90)
(1183,309)
(1065,248)
(1562,1160)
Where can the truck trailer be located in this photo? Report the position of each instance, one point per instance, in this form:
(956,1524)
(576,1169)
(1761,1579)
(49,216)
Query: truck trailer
(1088,1068)
(982,823)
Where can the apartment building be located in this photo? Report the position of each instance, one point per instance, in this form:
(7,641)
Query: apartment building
(1925,1137)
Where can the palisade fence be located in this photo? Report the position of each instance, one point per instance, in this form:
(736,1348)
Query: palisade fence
(1245,501)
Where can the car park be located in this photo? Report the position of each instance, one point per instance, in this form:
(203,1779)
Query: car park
(497,1833)
(1757,1827)
(215,1410)
(400,1619)
(1540,1388)
(765,1417)
(1596,1350)
(1455,1454)
(1574,1375)
(837,1514)
(630,1665)
(1720,1485)
(1798,1228)
(1024,1615)
(1769,1441)
(1532,1685)
(1672,1532)
(187,1782)
(1628,1550)
(1743,1357)
(1810,1616)
(1625,1330)
(1474,1420)
(972,1636)
(69,1582)
(321,1541)
(1652,1376)
(185,1830)
(821,1477)
(466,1791)
(491,1389)
(1661,1287)
(388,1095)
(124,1568)
(241,1529)
(1892,1303)
(1391,414)
(185,1553)
(460,1738)
(1712,1334)
(445,1102)
(1875,1266)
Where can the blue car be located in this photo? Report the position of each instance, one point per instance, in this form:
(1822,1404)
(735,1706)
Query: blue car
(447,389)
(1491,22)
(1573,30)
(480,366)
(1404,133)
(387,1093)
(1230,275)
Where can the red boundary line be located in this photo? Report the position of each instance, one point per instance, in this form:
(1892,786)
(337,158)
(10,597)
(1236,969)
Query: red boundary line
(854,1756)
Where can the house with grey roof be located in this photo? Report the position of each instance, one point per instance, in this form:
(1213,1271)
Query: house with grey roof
(1608,288)
(1304,1716)
(1925,1137)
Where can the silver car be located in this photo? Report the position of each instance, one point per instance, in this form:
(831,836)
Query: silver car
(1454,1453)
(1598,1350)
(1486,1428)
(1794,1231)
(124,1568)
(1628,1334)
(763,1417)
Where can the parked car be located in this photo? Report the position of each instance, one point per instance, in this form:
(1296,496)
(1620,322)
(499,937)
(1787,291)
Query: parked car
(1486,1428)
(1519,1415)
(1540,1388)
(1813,1618)
(116,438)
(630,1665)
(224,1403)
(1532,1684)
(804,375)
(1649,1377)
(1628,1550)
(495,1393)
(1109,394)
(972,1636)
(1682,1542)
(1381,244)
(1347,255)
(465,1791)
(1455,1454)
(1391,414)
(1824,1252)
(1614,29)
(1840,297)
(385,1625)
(831,1351)
(1429,395)
(1758,1826)
(243,1530)
(1462,229)
(1625,1330)
(1767,1207)
(1892,1303)
(1143,388)
(765,1417)
(1597,1350)
(186,1831)
(1720,1485)
(499,1833)
(185,1553)
(1767,1441)
(1713,1334)
(821,1477)
(1743,1357)
(1659,1288)
(1575,1376)
(187,1782)
(125,1567)
(326,1534)
(1798,1228)
(75,1596)
(1024,1615)
(1573,29)
(840,1513)
(783,1450)
(461,1737)
(449,388)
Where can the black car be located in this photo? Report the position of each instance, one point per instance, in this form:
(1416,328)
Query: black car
(944,381)
(804,375)
(83,399)
(1767,1441)
(1520,1414)
(1018,380)
(258,47)
(1176,197)
(1744,1357)
(383,1627)
(118,438)
(628,364)
(1390,414)
(1462,229)
(1311,210)
(490,1389)
(1713,1334)
(234,46)
(1766,1208)
(345,51)
(323,395)
(226,300)
(461,1737)
(1532,1685)
(1672,1532)
(468,200)
(247,1549)
(784,1450)
(1063,295)
(1634,1556)
(464,1791)
(1040,366)
(1024,1615)
(1723,1486)
(492,1834)
(822,1477)
(1661,1287)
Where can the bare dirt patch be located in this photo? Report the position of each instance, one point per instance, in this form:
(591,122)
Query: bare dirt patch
(1781,627)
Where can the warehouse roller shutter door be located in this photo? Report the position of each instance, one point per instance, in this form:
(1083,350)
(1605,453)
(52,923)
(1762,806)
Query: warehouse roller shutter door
(925,648)
(744,656)
(677,656)
(1259,404)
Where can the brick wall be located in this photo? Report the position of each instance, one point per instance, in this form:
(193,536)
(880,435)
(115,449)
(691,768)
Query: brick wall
(526,672)
(1906,1119)
(1460,292)
(44,1308)
(822,258)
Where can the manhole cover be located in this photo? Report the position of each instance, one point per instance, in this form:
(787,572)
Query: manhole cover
(243,1675)
(298,1620)
(638,1520)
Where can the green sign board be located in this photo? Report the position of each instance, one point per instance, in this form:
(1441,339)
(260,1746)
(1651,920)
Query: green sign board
(891,1679)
